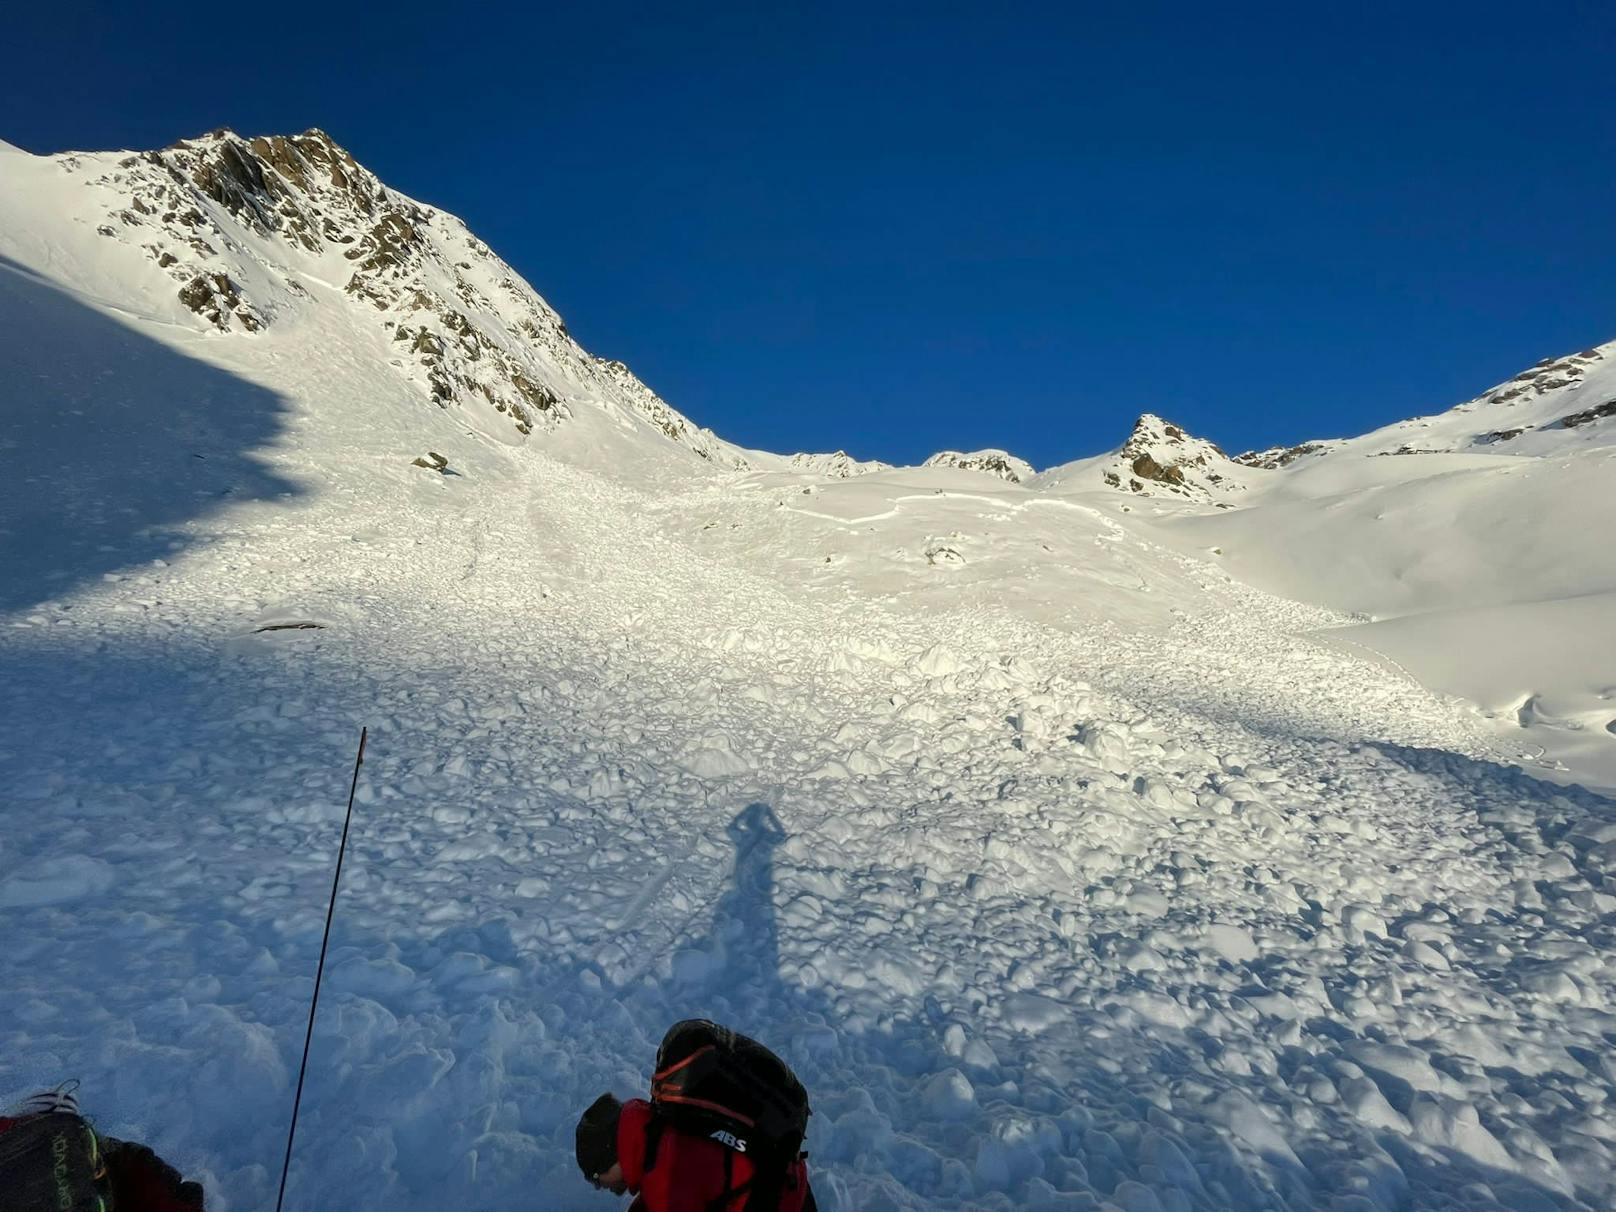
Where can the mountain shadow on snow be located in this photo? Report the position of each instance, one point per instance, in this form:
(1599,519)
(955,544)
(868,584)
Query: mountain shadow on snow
(116,445)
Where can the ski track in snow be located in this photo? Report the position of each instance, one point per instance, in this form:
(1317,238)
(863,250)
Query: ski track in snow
(1077,917)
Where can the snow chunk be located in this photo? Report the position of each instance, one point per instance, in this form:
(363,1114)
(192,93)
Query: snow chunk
(56,881)
(1364,920)
(715,757)
(1253,1125)
(1234,944)
(1396,1061)
(1032,1012)
(949,1095)
(1452,1124)
(938,662)
(1364,1099)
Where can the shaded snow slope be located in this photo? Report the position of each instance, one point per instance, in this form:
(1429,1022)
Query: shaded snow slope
(1068,869)
(1385,537)
(1545,668)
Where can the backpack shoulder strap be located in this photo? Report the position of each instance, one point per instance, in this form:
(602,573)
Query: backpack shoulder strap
(653,1138)
(730,1191)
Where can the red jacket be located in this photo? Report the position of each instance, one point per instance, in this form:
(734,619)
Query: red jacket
(690,1173)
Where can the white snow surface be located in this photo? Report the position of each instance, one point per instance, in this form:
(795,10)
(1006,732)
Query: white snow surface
(1081,849)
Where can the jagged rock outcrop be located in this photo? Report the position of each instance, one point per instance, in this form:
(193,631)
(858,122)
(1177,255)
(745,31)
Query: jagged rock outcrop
(240,235)
(1558,404)
(1550,374)
(1528,415)
(1161,459)
(1275,457)
(999,463)
(1588,416)
(254,230)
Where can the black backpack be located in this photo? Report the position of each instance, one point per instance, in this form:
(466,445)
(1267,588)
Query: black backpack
(714,1082)
(51,1160)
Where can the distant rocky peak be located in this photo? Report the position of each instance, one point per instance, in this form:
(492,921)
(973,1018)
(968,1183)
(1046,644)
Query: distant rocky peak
(999,463)
(838,465)
(1161,459)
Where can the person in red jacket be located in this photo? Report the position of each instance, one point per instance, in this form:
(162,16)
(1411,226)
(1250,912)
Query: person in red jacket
(622,1148)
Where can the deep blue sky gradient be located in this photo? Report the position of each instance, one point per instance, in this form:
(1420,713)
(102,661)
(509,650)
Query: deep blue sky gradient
(897,228)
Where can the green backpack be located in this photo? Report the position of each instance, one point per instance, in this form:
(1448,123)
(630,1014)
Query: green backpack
(50,1158)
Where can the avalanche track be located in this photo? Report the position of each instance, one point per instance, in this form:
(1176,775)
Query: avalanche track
(1207,916)
(1068,871)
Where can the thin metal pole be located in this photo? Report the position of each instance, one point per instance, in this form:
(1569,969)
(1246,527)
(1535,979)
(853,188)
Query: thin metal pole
(331,909)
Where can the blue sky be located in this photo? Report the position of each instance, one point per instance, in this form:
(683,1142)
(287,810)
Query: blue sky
(897,228)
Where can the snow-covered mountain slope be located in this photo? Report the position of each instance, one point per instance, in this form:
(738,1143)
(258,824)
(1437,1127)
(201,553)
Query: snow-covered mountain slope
(1069,870)
(1480,543)
(1559,406)
(1489,553)
(1273,458)
(999,463)
(839,465)
(276,235)
(1160,460)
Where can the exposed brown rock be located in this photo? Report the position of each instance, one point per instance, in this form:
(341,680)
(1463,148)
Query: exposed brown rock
(217,299)
(1588,415)
(1278,457)
(1146,468)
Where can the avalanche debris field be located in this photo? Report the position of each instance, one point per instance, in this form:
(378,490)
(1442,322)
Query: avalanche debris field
(1069,866)
(1047,911)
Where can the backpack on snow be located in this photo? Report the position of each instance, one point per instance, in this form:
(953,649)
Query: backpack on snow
(50,1158)
(714,1082)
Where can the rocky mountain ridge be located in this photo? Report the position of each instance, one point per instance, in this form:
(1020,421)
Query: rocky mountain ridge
(993,462)
(255,233)
(1532,413)
(1162,459)
(251,229)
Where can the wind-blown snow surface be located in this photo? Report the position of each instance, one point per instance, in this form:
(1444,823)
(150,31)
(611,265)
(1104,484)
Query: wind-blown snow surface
(1068,871)
(1485,575)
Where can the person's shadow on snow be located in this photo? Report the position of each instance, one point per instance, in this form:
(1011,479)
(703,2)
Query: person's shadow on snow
(749,932)
(737,959)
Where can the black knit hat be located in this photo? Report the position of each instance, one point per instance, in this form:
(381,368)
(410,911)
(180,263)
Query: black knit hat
(597,1136)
